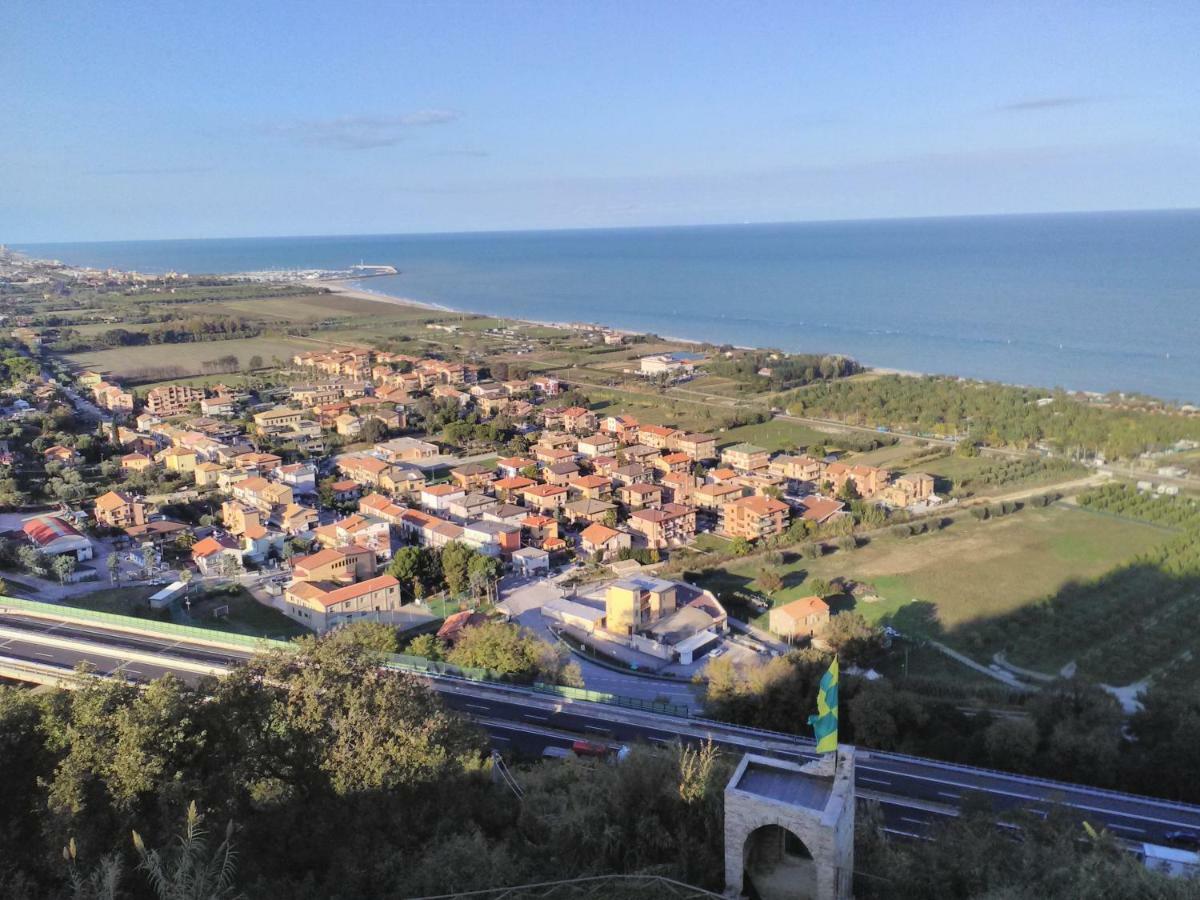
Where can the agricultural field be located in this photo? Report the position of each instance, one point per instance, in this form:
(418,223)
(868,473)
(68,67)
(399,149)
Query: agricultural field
(968,572)
(130,362)
(776,434)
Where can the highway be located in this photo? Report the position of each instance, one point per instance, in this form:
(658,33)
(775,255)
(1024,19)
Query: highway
(911,792)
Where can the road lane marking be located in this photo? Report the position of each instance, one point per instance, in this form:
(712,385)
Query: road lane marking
(866,780)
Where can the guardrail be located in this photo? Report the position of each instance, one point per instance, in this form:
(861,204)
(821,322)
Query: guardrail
(571,693)
(134,623)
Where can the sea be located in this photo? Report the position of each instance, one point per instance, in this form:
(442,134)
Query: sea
(1096,301)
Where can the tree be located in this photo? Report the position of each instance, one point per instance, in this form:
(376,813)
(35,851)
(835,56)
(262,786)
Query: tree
(114,568)
(481,572)
(853,638)
(1011,744)
(530,472)
(185,575)
(409,565)
(507,649)
(426,646)
(739,546)
(819,586)
(848,491)
(373,431)
(31,559)
(63,566)
(770,580)
(455,556)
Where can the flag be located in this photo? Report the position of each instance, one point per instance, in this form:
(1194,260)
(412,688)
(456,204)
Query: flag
(825,722)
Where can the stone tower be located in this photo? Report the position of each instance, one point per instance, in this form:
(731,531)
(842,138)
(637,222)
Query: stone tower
(789,828)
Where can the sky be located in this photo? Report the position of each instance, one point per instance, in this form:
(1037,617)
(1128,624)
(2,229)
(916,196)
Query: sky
(141,120)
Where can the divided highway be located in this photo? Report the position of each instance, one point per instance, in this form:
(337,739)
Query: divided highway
(911,792)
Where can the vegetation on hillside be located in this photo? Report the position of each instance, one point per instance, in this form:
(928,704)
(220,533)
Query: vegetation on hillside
(997,415)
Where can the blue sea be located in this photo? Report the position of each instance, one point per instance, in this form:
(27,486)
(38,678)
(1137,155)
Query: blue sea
(1084,301)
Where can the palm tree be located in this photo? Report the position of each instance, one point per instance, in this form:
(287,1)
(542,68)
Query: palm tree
(188,871)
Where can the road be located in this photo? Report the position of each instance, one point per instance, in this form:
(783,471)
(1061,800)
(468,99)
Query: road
(912,792)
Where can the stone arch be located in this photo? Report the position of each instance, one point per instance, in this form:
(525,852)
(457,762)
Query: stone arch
(777,864)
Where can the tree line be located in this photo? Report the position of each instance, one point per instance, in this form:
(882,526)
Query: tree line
(996,415)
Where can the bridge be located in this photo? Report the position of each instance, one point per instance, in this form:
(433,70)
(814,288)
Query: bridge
(43,643)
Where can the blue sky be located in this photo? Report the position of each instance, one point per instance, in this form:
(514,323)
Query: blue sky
(181,119)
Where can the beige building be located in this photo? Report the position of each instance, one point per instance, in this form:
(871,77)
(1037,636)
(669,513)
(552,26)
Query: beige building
(669,526)
(172,399)
(119,510)
(746,457)
(633,604)
(322,607)
(753,518)
(801,618)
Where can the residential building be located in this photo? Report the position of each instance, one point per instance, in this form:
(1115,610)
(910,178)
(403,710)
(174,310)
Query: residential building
(301,477)
(218,555)
(323,607)
(221,405)
(669,526)
(492,538)
(604,542)
(119,510)
(178,459)
(511,466)
(206,474)
(587,510)
(697,446)
(746,457)
(136,462)
(634,604)
(531,562)
(714,496)
(591,487)
(405,449)
(640,495)
(438,497)
(470,506)
(172,399)
(281,418)
(659,437)
(801,618)
(473,476)
(678,486)
(796,468)
(544,497)
(753,518)
(820,509)
(597,445)
(344,564)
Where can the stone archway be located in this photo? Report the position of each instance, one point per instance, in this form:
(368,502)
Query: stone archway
(777,865)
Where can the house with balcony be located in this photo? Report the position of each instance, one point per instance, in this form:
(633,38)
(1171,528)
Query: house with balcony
(753,518)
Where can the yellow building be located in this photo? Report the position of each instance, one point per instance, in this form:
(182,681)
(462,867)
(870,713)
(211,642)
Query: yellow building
(178,459)
(633,604)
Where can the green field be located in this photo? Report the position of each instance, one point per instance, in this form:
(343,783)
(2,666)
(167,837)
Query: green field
(776,434)
(126,362)
(972,570)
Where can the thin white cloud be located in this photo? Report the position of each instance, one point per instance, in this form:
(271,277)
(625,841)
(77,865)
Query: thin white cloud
(362,132)
(1037,104)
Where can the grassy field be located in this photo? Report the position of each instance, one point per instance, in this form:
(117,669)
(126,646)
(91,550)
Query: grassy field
(970,571)
(124,362)
(776,434)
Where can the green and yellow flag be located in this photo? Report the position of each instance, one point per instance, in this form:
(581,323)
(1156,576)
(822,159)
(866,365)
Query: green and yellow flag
(825,722)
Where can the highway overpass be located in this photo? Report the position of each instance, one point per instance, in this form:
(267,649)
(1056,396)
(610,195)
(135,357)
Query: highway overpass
(45,645)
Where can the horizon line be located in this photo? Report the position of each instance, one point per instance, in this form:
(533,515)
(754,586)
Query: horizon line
(599,228)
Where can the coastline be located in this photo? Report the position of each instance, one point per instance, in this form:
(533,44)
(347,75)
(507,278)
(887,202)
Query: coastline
(356,290)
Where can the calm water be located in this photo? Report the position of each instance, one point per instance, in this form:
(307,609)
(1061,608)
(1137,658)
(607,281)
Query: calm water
(1096,301)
